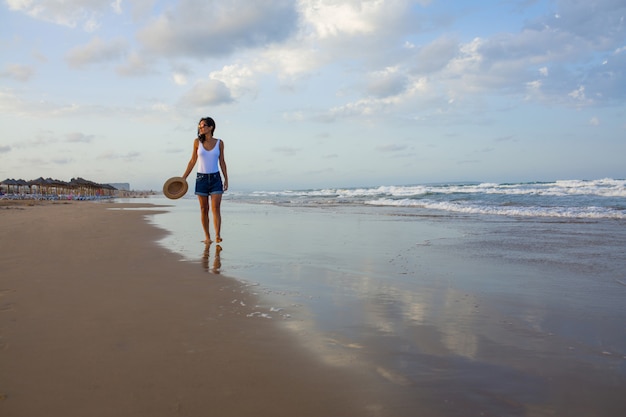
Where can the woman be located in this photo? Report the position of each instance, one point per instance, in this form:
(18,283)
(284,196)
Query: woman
(209,151)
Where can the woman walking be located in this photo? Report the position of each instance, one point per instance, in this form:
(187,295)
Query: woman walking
(208,151)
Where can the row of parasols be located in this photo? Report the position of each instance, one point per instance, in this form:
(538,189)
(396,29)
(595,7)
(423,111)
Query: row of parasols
(49,186)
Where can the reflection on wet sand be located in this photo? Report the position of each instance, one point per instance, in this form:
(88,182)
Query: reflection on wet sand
(467,315)
(206,261)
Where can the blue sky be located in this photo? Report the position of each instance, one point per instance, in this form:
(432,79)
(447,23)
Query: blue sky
(314,93)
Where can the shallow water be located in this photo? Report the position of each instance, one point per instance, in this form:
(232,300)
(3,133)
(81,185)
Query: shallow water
(470,313)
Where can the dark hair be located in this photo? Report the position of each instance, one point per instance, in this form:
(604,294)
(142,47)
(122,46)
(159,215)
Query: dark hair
(209,122)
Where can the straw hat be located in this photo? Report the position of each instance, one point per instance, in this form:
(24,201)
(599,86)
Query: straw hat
(175,188)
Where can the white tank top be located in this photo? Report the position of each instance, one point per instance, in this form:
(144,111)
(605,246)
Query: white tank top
(208,160)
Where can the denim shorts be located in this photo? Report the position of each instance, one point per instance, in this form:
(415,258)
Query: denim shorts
(207,184)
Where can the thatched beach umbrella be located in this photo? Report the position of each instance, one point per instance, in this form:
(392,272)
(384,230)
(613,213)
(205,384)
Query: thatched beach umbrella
(51,186)
(60,187)
(15,186)
(40,183)
(8,183)
(87,187)
(21,184)
(80,185)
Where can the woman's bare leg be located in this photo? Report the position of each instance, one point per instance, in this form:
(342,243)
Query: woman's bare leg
(204,217)
(216,202)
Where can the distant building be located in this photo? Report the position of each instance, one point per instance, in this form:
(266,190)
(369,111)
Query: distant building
(122,186)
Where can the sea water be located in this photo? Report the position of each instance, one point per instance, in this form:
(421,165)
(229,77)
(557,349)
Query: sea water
(521,284)
(605,198)
(365,230)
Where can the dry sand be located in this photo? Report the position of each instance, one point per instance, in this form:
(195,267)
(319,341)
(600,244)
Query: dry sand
(97,320)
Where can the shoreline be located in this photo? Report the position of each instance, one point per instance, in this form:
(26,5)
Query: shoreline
(97,319)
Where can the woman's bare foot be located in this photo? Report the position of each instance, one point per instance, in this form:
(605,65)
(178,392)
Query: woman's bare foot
(218,240)
(208,240)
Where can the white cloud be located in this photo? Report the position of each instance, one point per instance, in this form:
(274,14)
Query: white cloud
(508,62)
(578,94)
(207,93)
(388,82)
(468,60)
(295,116)
(117,6)
(372,107)
(594,121)
(332,18)
(237,78)
(91,25)
(17,72)
(600,21)
(66,13)
(136,65)
(97,51)
(421,95)
(179,78)
(436,55)
(77,137)
(200,29)
(533,90)
(291,61)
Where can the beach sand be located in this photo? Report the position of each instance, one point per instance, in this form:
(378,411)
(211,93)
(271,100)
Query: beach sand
(97,320)
(436,317)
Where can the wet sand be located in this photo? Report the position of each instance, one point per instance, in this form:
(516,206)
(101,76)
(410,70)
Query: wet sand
(454,315)
(98,320)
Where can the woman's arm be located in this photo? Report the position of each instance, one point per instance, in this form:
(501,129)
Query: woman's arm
(192,161)
(222,162)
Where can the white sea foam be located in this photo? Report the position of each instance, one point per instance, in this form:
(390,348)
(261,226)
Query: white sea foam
(606,187)
(516,211)
(259,314)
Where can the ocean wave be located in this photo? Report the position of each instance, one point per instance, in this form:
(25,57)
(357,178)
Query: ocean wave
(595,199)
(606,187)
(508,210)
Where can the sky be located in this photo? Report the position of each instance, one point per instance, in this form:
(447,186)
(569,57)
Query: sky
(314,93)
